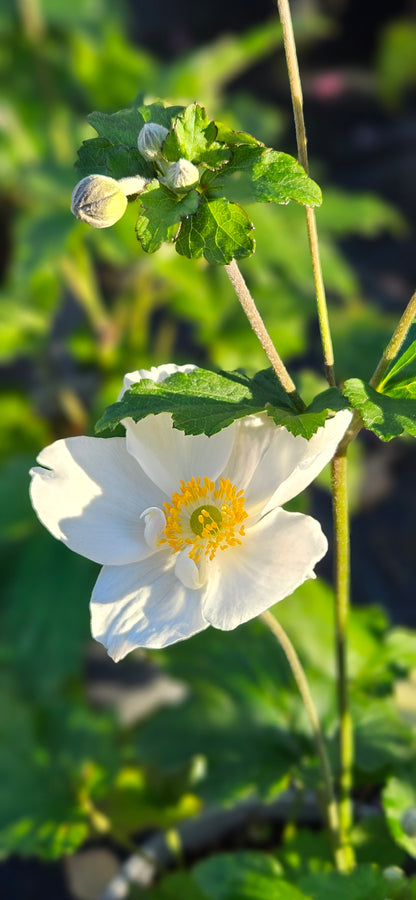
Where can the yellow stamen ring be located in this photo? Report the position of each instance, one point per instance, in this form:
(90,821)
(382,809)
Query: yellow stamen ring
(204,517)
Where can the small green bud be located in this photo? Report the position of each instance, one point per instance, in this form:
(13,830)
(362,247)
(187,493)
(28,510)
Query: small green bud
(408,822)
(394,875)
(99,201)
(151,139)
(181,175)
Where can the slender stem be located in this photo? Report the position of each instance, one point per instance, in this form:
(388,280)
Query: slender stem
(342,591)
(275,627)
(297,103)
(261,332)
(396,342)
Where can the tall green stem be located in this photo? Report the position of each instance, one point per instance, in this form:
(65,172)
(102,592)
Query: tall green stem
(297,103)
(340,855)
(342,591)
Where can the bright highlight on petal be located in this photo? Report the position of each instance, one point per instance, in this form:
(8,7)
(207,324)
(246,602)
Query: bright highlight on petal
(158,507)
(203,518)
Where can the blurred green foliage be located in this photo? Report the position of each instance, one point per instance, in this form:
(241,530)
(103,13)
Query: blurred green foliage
(78,308)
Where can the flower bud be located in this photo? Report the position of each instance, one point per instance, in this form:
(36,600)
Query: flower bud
(150,140)
(408,821)
(181,175)
(98,200)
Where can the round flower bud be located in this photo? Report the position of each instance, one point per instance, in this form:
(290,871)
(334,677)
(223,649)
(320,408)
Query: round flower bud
(394,875)
(98,200)
(181,175)
(408,821)
(150,140)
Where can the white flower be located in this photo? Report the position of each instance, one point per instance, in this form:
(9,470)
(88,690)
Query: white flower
(189,530)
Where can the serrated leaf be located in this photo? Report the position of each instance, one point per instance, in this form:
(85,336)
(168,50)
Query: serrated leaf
(192,134)
(244,876)
(201,402)
(99,156)
(121,127)
(259,174)
(399,801)
(159,113)
(161,214)
(234,138)
(305,424)
(220,231)
(331,399)
(387,416)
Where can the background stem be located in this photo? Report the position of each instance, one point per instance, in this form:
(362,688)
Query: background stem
(342,592)
(261,332)
(333,823)
(297,103)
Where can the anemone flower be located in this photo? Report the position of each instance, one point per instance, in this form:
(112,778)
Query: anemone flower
(190,530)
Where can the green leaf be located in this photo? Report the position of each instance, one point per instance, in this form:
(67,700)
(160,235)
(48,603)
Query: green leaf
(161,214)
(240,719)
(100,157)
(47,757)
(201,402)
(364,883)
(308,422)
(172,887)
(399,801)
(305,424)
(258,174)
(192,135)
(382,739)
(388,417)
(220,231)
(121,127)
(235,138)
(400,381)
(244,876)
(159,113)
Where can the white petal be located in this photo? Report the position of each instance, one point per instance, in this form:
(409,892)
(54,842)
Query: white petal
(156,373)
(276,556)
(91,496)
(272,465)
(143,605)
(168,455)
(317,452)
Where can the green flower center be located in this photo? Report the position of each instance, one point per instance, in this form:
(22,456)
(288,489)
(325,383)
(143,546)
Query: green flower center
(205,519)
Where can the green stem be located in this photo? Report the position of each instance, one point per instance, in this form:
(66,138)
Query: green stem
(342,592)
(340,855)
(261,332)
(297,103)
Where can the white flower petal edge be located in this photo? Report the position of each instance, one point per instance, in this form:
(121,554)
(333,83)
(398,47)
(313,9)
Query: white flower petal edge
(143,605)
(90,496)
(272,465)
(166,454)
(155,373)
(278,554)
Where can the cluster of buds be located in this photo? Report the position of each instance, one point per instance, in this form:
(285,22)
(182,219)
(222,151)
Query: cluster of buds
(101,201)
